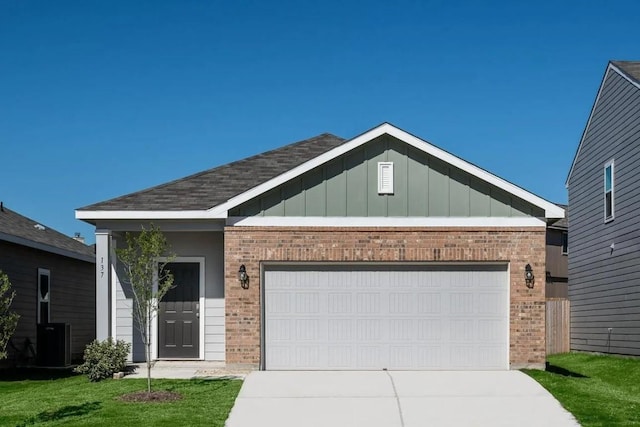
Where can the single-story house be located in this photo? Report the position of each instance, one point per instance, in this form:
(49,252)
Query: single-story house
(54,280)
(380,251)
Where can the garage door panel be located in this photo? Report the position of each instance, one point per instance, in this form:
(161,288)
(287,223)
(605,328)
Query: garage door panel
(429,330)
(429,303)
(402,303)
(370,356)
(369,330)
(340,303)
(340,356)
(280,329)
(307,302)
(489,331)
(368,302)
(401,357)
(429,357)
(463,356)
(490,303)
(461,303)
(324,317)
(279,302)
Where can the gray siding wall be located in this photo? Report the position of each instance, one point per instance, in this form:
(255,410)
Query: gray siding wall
(423,186)
(72,294)
(604,283)
(209,245)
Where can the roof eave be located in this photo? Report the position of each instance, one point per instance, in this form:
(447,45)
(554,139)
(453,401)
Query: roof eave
(93,215)
(46,248)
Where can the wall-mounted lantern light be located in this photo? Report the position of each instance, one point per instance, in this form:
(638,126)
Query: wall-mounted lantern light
(243,277)
(528,276)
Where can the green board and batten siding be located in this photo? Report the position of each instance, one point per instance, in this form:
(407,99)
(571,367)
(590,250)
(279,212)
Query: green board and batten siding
(424,186)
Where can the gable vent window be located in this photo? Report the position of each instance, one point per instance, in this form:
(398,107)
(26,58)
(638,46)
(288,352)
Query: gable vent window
(44,296)
(608,191)
(385,177)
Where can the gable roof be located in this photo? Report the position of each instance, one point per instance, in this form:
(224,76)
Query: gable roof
(304,162)
(212,187)
(24,231)
(630,68)
(562,223)
(630,71)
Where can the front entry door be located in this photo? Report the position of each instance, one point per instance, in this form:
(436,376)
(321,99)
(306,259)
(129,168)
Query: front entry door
(179,313)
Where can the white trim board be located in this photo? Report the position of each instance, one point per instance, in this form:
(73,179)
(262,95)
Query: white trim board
(265,221)
(142,215)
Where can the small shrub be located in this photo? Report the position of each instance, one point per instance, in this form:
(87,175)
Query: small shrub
(103,359)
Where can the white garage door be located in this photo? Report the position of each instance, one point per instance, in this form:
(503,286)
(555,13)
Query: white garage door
(377,317)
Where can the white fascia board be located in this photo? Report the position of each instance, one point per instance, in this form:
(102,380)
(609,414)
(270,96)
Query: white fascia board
(551,210)
(146,215)
(266,221)
(46,248)
(622,74)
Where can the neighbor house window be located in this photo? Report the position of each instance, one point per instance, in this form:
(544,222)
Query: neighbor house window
(608,191)
(565,243)
(44,296)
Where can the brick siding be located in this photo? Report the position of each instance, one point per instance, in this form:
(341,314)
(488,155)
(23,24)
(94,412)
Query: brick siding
(517,246)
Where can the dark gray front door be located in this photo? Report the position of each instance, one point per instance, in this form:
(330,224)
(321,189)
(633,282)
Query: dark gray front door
(179,313)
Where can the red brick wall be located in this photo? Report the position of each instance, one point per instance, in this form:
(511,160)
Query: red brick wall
(517,246)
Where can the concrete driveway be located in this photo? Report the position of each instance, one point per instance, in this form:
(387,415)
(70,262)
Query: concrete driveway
(395,399)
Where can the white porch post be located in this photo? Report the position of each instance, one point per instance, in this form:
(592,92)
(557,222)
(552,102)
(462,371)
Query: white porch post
(103,284)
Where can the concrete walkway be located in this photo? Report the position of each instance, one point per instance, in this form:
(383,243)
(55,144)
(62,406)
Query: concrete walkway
(180,369)
(395,399)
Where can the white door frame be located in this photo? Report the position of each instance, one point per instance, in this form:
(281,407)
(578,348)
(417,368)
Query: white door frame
(201,309)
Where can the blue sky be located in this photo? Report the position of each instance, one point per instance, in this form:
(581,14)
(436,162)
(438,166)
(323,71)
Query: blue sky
(99,99)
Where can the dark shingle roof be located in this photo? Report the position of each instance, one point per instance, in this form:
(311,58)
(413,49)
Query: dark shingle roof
(22,230)
(630,68)
(212,187)
(562,222)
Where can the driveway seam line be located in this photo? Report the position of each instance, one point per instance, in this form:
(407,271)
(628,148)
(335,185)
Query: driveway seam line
(395,392)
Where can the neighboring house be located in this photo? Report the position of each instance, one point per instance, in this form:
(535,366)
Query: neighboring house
(557,251)
(604,200)
(54,278)
(382,251)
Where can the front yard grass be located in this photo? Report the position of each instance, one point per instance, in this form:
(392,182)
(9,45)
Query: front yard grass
(599,390)
(51,398)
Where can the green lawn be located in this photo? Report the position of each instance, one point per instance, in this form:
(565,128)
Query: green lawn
(598,390)
(51,399)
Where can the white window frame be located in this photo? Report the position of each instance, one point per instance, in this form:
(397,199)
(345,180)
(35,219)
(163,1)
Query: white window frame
(385,177)
(47,298)
(609,164)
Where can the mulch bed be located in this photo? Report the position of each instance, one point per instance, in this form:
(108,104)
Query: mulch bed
(154,396)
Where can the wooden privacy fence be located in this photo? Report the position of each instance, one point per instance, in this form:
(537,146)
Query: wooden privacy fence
(558,325)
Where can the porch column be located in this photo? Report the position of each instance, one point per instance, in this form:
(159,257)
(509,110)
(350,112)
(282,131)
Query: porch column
(103,284)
